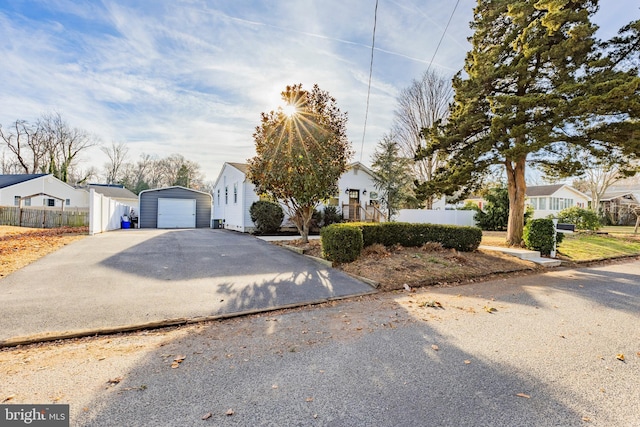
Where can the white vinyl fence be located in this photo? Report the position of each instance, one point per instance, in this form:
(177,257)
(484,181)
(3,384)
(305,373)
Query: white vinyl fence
(105,214)
(423,216)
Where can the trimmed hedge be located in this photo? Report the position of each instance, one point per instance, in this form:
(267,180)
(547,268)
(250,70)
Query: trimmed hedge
(341,243)
(336,240)
(538,235)
(464,239)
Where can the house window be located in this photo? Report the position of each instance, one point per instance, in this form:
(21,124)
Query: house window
(67,202)
(27,202)
(51,202)
(542,203)
(235,192)
(16,200)
(226,195)
(533,203)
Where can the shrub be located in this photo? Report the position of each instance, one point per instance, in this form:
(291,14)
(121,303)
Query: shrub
(538,235)
(416,235)
(341,242)
(267,216)
(583,219)
(331,215)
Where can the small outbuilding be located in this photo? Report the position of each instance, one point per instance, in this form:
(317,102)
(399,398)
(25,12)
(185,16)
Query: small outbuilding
(174,207)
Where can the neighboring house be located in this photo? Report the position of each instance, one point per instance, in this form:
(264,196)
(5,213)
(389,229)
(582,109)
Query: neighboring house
(233,195)
(40,190)
(550,199)
(617,207)
(546,199)
(116,192)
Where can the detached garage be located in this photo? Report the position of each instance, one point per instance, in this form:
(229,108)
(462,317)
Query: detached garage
(175,207)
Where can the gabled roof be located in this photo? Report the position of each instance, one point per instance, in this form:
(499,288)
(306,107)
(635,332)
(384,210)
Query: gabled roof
(9,180)
(549,190)
(114,192)
(358,165)
(611,195)
(242,167)
(543,190)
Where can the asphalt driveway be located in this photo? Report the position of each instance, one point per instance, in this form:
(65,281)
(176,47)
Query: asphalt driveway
(130,278)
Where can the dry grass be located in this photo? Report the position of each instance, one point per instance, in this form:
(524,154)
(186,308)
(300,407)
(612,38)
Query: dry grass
(20,246)
(393,267)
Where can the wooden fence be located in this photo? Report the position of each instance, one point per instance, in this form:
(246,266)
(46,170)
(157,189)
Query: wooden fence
(42,218)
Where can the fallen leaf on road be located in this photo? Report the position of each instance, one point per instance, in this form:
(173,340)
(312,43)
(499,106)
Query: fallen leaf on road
(526,396)
(638,354)
(620,357)
(407,287)
(467,362)
(275,386)
(586,419)
(229,412)
(435,347)
(207,416)
(8,398)
(489,309)
(114,381)
(177,361)
(309,399)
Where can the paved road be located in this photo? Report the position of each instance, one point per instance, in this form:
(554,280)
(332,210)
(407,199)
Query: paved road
(134,277)
(546,357)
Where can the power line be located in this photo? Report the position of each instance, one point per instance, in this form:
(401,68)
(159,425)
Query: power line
(373,44)
(443,33)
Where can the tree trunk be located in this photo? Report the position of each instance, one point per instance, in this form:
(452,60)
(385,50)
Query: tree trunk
(517,188)
(302,220)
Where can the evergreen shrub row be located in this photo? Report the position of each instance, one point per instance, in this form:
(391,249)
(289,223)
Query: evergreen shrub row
(335,238)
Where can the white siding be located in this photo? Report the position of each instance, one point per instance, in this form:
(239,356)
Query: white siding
(235,213)
(48,185)
(564,193)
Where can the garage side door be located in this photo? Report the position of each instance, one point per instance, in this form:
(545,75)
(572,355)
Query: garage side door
(176,213)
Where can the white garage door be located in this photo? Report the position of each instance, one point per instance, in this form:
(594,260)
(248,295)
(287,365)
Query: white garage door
(176,213)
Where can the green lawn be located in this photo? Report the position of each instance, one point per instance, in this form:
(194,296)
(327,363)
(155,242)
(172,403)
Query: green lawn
(587,247)
(619,229)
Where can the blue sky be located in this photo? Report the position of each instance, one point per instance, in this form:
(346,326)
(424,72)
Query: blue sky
(192,77)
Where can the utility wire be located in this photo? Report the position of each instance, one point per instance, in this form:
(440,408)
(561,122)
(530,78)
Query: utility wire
(373,44)
(443,33)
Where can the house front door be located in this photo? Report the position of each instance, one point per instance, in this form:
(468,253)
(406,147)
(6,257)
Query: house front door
(354,205)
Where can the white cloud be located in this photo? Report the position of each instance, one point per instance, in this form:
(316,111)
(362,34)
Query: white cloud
(192,77)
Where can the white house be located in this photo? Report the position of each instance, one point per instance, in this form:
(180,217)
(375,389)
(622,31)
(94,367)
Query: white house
(550,199)
(40,190)
(233,195)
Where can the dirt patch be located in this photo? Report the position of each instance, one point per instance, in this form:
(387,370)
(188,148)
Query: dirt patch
(20,246)
(395,267)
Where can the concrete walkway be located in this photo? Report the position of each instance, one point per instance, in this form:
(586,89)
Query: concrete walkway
(131,279)
(525,254)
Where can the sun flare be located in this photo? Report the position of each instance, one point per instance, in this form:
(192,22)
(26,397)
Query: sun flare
(289,110)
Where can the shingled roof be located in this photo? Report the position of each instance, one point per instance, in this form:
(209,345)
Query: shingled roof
(9,180)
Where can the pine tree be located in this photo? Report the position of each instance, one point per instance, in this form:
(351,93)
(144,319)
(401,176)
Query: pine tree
(393,175)
(533,84)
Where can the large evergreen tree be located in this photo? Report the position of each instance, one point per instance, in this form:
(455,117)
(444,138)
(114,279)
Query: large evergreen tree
(301,152)
(535,83)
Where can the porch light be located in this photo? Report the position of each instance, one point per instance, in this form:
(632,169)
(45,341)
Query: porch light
(346,191)
(364,191)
